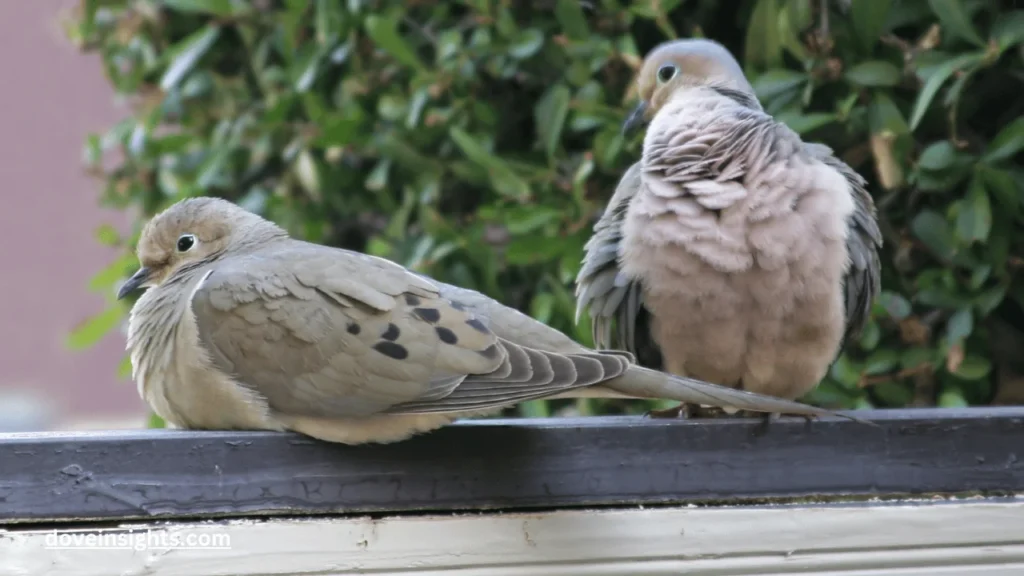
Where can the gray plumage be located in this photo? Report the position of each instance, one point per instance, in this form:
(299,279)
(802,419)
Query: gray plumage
(733,251)
(243,327)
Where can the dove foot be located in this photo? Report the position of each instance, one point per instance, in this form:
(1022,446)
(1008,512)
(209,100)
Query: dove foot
(681,411)
(768,417)
(688,411)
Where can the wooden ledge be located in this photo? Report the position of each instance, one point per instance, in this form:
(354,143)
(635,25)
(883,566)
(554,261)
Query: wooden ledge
(509,465)
(970,537)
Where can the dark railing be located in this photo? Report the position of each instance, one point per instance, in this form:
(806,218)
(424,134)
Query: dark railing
(510,464)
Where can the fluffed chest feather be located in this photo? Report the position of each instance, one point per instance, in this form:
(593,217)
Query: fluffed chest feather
(750,293)
(174,375)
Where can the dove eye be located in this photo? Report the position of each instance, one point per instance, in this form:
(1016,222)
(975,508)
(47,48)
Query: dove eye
(666,73)
(186,242)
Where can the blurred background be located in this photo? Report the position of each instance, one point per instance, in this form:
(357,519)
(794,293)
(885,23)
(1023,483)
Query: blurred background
(54,97)
(477,141)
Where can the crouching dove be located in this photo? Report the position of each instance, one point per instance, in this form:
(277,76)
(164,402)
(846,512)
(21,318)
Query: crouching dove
(732,252)
(243,327)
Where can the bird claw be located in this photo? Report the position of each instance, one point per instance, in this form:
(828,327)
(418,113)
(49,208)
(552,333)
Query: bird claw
(768,417)
(687,411)
(681,411)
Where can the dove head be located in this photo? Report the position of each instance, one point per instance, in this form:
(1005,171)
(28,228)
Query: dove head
(193,232)
(687,64)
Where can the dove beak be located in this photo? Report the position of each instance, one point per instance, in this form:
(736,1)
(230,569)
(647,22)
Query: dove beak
(133,283)
(636,119)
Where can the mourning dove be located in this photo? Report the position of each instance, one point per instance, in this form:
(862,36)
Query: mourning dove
(243,327)
(732,252)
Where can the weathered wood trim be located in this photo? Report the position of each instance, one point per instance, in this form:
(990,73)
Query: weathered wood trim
(965,537)
(508,464)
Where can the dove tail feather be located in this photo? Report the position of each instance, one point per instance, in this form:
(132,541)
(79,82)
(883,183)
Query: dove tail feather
(646,383)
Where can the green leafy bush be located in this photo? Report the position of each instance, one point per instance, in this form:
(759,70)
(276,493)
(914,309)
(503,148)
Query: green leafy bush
(477,141)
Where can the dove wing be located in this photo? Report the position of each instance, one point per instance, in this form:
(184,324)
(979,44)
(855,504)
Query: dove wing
(326,332)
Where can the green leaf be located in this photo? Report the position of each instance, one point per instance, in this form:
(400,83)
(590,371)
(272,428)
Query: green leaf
(1008,29)
(185,54)
(870,336)
(124,368)
(339,129)
(1008,195)
(763,47)
(895,305)
(542,306)
(155,421)
(534,409)
(915,357)
(874,73)
(885,116)
(804,123)
(549,115)
(973,368)
(532,249)
(959,326)
(528,43)
(778,81)
(934,230)
(937,156)
(974,222)
(117,270)
(94,328)
(868,18)
(108,235)
(329,20)
(956,20)
(952,398)
(936,79)
(521,220)
(893,394)
(794,16)
(1007,143)
(383,30)
(214,7)
(881,361)
(502,178)
(570,15)
(845,371)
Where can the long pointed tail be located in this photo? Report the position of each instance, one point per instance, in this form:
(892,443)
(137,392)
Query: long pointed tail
(643,382)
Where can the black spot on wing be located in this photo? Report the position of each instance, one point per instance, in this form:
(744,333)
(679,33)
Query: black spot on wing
(353,328)
(491,352)
(412,300)
(431,315)
(446,335)
(391,333)
(391,350)
(457,305)
(478,325)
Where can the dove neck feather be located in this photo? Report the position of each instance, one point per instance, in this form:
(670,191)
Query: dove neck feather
(741,97)
(155,320)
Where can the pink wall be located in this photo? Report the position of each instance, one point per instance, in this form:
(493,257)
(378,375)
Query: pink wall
(52,97)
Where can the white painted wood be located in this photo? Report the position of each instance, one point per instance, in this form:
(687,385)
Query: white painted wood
(964,537)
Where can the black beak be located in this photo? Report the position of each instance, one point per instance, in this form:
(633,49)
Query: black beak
(133,283)
(636,119)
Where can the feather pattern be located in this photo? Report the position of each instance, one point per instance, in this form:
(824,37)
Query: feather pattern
(744,255)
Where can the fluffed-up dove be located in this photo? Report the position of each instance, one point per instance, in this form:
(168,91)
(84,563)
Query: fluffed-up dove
(244,327)
(732,251)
